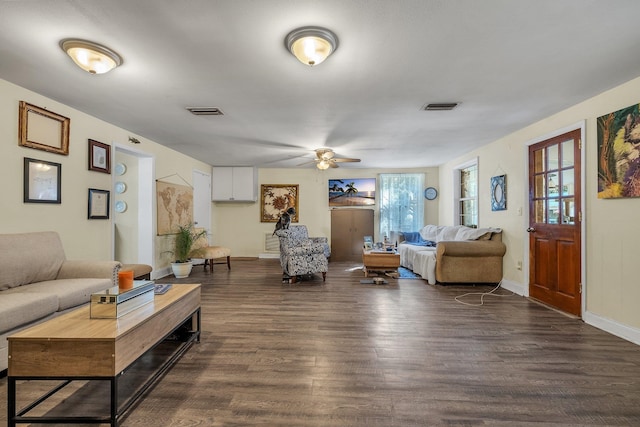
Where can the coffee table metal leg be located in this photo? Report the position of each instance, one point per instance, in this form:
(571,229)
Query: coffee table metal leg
(114,402)
(11,402)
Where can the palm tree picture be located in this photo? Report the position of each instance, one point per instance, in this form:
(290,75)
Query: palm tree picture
(352,192)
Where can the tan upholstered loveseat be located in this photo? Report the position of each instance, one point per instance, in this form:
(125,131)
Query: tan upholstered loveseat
(37,282)
(453,254)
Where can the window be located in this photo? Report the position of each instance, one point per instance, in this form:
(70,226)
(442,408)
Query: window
(401,202)
(467,199)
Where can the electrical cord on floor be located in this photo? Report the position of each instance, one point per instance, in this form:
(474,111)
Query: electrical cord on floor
(482,295)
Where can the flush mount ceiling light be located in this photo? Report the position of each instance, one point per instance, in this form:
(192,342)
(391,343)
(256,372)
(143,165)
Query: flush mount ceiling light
(91,57)
(311,45)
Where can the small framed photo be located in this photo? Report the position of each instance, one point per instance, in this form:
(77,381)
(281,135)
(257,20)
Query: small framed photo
(99,157)
(43,129)
(98,207)
(42,181)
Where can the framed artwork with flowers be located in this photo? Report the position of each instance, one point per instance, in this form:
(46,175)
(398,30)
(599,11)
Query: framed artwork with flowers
(277,198)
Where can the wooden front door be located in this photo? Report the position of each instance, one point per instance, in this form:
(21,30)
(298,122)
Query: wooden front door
(554,222)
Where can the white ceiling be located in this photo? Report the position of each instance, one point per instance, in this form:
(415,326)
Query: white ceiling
(509,63)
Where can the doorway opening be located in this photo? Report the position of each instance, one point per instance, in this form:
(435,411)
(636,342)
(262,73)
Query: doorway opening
(133,222)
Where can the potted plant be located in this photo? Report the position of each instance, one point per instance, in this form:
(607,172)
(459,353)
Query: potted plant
(186,237)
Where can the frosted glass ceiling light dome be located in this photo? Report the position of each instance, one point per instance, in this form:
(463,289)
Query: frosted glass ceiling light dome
(323,165)
(311,45)
(91,57)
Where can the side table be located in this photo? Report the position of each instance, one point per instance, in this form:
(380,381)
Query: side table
(379,260)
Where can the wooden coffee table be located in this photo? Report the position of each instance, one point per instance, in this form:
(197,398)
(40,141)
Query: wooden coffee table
(75,347)
(380,261)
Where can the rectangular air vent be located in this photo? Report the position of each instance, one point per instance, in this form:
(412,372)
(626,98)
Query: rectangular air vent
(271,243)
(443,106)
(205,111)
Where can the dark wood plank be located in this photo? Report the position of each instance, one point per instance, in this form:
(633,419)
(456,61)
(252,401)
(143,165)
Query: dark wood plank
(403,354)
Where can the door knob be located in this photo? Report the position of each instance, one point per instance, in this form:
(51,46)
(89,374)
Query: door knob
(530,230)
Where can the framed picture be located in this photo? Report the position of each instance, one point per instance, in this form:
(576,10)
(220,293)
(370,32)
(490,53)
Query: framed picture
(99,157)
(42,129)
(42,181)
(499,193)
(275,199)
(352,192)
(98,207)
(618,159)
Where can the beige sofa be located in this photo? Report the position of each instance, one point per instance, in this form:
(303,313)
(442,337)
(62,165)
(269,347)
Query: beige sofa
(37,282)
(453,254)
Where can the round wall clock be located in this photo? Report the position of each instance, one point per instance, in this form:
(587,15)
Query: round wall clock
(430,193)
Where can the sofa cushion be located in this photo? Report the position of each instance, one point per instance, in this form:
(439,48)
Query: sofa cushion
(69,292)
(29,257)
(20,308)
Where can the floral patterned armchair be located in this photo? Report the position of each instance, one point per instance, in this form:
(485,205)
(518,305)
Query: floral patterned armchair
(301,254)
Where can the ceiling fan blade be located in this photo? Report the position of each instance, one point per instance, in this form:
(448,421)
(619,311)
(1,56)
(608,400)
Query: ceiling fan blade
(339,159)
(333,164)
(308,163)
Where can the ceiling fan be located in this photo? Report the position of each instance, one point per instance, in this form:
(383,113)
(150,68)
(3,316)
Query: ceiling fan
(325,159)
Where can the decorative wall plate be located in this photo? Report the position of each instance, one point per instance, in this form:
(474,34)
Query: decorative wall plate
(121,169)
(121,187)
(121,206)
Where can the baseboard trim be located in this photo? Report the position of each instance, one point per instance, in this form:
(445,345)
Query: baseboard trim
(618,329)
(515,287)
(266,255)
(159,274)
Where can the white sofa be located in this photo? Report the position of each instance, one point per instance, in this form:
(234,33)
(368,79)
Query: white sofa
(37,282)
(452,254)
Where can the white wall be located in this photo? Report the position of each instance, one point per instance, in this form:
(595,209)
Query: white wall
(612,236)
(82,238)
(238,226)
(126,223)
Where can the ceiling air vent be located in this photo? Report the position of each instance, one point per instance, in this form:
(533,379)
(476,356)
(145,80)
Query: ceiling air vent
(443,106)
(205,111)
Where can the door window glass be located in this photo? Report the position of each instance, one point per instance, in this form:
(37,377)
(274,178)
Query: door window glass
(568,210)
(554,184)
(540,211)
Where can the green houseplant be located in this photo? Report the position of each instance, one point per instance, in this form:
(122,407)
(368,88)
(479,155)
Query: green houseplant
(185,238)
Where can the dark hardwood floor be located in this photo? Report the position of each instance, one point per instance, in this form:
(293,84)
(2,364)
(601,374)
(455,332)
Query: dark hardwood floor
(404,354)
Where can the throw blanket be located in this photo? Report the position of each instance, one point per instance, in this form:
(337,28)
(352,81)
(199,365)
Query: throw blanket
(439,233)
(414,238)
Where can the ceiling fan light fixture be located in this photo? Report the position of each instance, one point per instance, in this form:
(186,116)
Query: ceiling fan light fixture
(311,45)
(323,165)
(91,57)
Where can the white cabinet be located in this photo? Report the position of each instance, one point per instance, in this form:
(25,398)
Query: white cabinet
(234,184)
